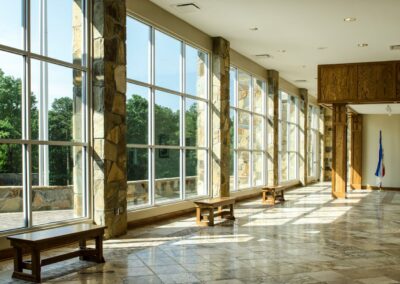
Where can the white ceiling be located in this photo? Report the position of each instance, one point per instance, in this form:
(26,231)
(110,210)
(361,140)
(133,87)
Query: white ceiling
(376,108)
(300,28)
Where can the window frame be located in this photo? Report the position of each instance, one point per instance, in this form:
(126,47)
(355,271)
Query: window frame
(151,145)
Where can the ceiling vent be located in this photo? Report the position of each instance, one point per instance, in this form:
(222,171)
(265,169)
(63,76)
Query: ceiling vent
(187,7)
(300,81)
(264,55)
(395,47)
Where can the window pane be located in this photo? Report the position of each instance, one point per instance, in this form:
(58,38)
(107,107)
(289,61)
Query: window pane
(167,109)
(11,75)
(243,169)
(59,184)
(137,175)
(293,109)
(60,100)
(258,94)
(11,29)
(293,137)
(244,90)
(258,168)
(196,72)
(137,114)
(243,130)
(196,120)
(232,87)
(196,183)
(270,105)
(258,132)
(167,175)
(11,192)
(167,61)
(292,165)
(231,151)
(138,50)
(63,27)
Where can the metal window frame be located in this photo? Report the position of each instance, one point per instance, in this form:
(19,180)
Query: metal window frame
(152,146)
(26,140)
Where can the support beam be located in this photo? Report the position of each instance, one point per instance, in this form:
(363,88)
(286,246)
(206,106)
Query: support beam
(273,90)
(220,118)
(339,150)
(303,136)
(356,151)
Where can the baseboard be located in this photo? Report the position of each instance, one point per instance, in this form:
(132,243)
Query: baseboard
(377,188)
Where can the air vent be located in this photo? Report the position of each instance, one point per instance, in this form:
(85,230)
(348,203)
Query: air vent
(187,7)
(265,55)
(395,47)
(300,81)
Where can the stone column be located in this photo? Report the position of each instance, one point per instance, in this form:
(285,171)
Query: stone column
(328,142)
(339,151)
(273,90)
(220,117)
(77,152)
(303,136)
(109,115)
(356,151)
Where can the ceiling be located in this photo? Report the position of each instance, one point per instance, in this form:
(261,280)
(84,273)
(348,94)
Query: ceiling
(376,108)
(311,32)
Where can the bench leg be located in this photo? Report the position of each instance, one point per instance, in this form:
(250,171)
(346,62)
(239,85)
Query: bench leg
(220,208)
(211,217)
(232,216)
(17,259)
(82,246)
(36,267)
(282,196)
(99,249)
(264,197)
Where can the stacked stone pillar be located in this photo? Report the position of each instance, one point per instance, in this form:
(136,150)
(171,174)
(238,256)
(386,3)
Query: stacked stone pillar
(303,136)
(273,89)
(327,145)
(109,115)
(220,117)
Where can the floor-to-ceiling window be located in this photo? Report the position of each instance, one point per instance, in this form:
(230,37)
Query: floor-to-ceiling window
(288,137)
(43,112)
(248,116)
(167,117)
(313,141)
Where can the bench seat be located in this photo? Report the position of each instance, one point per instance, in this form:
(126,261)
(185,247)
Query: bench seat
(208,205)
(271,193)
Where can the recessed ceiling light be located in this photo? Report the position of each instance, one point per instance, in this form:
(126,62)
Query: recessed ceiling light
(303,66)
(362,44)
(281,50)
(321,47)
(350,19)
(395,47)
(254,29)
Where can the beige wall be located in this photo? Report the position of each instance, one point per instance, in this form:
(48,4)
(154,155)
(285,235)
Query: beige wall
(390,126)
(246,64)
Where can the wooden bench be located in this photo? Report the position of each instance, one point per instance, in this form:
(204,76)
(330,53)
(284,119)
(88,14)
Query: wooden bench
(36,242)
(272,192)
(209,205)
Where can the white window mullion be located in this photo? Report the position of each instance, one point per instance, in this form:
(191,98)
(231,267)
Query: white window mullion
(151,131)
(182,123)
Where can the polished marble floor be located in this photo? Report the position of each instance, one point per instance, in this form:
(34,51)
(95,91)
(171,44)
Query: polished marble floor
(310,238)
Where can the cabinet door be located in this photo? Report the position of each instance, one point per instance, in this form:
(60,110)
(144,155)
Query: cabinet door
(337,83)
(376,81)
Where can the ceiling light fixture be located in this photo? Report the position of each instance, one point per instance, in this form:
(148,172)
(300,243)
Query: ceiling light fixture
(395,47)
(300,81)
(254,29)
(281,50)
(321,47)
(362,44)
(350,19)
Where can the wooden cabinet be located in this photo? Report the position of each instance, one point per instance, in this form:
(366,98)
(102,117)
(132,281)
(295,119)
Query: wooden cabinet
(337,83)
(359,82)
(377,81)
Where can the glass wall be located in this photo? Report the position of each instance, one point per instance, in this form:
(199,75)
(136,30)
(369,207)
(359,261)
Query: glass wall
(313,141)
(248,130)
(167,117)
(288,148)
(43,94)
